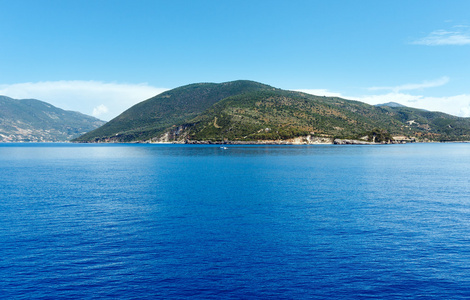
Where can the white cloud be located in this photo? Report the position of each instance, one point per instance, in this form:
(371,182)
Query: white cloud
(458,105)
(405,99)
(89,97)
(99,110)
(414,86)
(458,37)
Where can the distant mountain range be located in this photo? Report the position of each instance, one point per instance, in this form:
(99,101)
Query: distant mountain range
(246,111)
(31,120)
(391,104)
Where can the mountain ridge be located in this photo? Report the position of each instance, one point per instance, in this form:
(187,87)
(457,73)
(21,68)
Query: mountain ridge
(157,113)
(32,120)
(250,112)
(391,104)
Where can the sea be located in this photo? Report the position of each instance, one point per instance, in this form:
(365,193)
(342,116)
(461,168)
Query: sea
(142,221)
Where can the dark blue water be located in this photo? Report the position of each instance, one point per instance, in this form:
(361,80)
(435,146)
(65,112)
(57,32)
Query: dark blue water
(288,222)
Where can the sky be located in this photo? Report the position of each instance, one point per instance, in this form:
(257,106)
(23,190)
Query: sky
(101,57)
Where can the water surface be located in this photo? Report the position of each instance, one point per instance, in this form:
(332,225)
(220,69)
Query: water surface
(169,221)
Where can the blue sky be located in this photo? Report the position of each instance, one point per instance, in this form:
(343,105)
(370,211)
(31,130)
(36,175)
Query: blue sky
(101,57)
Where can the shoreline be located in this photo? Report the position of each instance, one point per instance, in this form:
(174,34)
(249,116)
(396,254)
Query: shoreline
(344,142)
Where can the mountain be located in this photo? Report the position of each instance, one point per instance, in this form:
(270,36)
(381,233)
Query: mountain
(149,118)
(391,104)
(31,120)
(247,111)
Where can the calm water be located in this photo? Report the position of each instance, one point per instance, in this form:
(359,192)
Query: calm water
(288,222)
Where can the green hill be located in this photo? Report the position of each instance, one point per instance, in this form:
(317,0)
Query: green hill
(246,111)
(32,120)
(152,117)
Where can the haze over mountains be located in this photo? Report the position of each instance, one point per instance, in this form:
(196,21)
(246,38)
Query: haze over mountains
(247,111)
(31,120)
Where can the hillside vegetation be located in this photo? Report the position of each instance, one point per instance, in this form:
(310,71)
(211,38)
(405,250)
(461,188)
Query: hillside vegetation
(246,111)
(31,120)
(152,117)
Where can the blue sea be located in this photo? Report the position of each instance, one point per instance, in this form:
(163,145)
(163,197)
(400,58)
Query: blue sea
(119,221)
